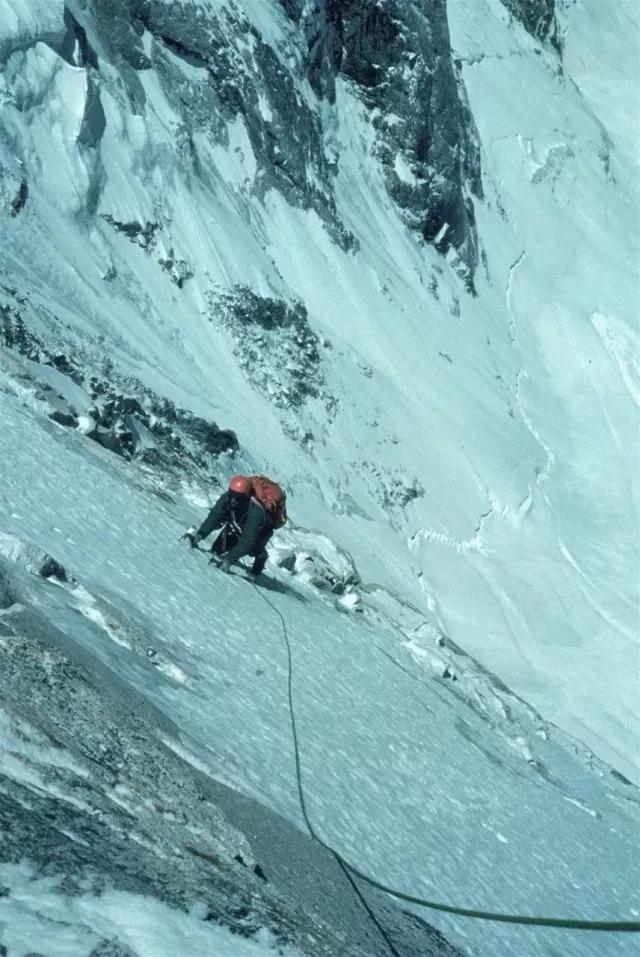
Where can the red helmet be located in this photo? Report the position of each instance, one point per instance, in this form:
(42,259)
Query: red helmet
(241,485)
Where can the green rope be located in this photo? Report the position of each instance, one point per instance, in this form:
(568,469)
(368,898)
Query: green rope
(591,925)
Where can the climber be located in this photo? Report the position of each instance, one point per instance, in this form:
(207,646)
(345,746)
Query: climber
(247,514)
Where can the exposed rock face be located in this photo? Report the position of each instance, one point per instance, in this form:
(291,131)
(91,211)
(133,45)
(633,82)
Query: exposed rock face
(20,199)
(241,76)
(398,54)
(111,948)
(538,17)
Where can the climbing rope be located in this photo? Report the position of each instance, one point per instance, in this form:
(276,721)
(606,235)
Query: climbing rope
(343,864)
(345,870)
(590,925)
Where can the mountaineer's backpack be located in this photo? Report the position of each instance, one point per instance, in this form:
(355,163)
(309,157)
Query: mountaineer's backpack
(272,498)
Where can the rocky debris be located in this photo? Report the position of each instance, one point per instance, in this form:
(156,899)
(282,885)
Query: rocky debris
(32,559)
(317,561)
(538,17)
(112,948)
(182,438)
(398,56)
(402,493)
(145,235)
(118,412)
(274,344)
(391,488)
(154,428)
(14,186)
(178,269)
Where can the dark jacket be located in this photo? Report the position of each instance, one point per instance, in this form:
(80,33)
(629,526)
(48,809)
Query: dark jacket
(249,526)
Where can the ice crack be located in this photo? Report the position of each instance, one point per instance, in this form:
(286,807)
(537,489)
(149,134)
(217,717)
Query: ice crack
(544,472)
(512,320)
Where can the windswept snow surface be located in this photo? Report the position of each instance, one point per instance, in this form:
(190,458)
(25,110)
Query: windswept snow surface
(442,788)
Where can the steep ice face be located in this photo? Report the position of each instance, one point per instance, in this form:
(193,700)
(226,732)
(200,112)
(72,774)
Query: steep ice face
(147,770)
(248,246)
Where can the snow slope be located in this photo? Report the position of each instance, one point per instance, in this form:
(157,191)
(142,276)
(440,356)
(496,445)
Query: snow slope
(395,758)
(571,297)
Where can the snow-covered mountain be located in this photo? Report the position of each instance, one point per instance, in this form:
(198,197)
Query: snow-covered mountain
(385,251)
